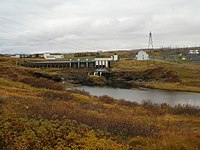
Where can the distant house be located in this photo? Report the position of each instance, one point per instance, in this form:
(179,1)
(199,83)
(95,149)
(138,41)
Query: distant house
(22,56)
(142,55)
(53,56)
(194,55)
(194,52)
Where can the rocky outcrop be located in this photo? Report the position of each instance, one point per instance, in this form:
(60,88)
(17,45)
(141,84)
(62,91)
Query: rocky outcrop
(76,76)
(123,79)
(56,78)
(155,74)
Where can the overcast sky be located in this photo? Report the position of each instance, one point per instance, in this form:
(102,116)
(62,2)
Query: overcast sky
(31,26)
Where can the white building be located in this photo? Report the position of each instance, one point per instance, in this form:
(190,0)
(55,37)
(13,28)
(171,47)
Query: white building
(142,55)
(115,57)
(104,62)
(53,56)
(22,56)
(194,55)
(194,52)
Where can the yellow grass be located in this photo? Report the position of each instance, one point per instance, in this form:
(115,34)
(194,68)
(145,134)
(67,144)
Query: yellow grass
(189,74)
(172,86)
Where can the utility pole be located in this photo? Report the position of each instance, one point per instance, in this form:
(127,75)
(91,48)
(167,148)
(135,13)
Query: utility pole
(150,44)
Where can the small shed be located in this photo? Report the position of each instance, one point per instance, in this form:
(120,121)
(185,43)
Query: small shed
(142,55)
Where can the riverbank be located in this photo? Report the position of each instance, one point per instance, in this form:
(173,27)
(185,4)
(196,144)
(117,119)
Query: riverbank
(135,74)
(37,113)
(141,74)
(155,96)
(160,75)
(171,87)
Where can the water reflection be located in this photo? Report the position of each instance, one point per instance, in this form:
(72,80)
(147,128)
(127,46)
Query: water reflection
(156,96)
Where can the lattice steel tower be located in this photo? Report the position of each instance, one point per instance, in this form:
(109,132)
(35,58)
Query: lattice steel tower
(150,44)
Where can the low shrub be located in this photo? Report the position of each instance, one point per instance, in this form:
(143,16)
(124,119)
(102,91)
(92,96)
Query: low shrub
(56,95)
(20,133)
(82,92)
(186,110)
(106,99)
(42,83)
(127,103)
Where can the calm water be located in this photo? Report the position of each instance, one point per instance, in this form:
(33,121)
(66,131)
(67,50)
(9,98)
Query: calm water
(156,96)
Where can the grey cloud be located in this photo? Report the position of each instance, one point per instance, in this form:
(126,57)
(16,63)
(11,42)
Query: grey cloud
(28,26)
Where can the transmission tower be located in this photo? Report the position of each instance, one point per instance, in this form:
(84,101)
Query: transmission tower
(150,44)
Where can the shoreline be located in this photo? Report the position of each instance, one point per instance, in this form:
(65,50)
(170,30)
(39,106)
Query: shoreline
(136,95)
(139,88)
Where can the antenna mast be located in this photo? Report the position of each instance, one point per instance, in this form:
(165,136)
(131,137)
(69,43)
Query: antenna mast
(150,44)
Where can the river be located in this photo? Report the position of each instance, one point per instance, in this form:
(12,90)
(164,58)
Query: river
(156,96)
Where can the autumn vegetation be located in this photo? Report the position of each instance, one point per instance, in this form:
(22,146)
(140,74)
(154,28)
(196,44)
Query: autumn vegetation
(36,112)
(159,74)
(153,74)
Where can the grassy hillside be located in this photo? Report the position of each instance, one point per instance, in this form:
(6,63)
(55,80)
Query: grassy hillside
(188,74)
(37,113)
